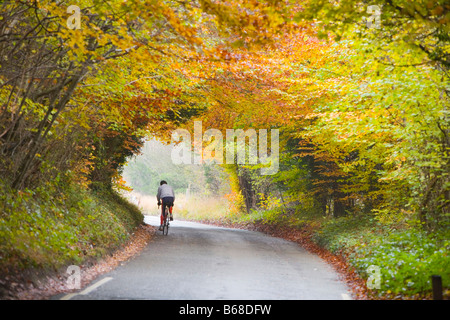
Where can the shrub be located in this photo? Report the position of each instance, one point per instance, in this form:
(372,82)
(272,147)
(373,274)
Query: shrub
(407,257)
(45,229)
(407,260)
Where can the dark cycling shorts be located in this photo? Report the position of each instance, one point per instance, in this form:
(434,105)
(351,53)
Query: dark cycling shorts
(167,201)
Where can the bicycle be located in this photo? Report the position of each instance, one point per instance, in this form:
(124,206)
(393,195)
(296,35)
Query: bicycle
(166,223)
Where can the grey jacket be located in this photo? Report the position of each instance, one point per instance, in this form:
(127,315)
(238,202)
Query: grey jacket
(165,191)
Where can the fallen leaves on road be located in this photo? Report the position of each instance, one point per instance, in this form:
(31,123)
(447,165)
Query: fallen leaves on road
(31,286)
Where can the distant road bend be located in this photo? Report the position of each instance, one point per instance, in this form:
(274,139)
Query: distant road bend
(203,262)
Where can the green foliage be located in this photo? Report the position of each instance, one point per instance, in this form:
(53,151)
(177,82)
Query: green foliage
(407,258)
(275,216)
(422,25)
(339,234)
(44,229)
(383,131)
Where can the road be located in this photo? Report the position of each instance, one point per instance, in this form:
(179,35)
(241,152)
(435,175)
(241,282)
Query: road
(203,262)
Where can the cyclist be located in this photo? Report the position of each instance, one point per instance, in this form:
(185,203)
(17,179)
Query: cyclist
(167,197)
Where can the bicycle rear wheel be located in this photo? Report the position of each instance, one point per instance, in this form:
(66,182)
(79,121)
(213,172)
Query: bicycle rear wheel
(166,229)
(166,222)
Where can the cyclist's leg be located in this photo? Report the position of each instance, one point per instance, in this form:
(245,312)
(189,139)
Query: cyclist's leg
(162,214)
(169,202)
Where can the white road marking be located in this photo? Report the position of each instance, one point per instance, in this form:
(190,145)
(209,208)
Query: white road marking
(69,296)
(88,289)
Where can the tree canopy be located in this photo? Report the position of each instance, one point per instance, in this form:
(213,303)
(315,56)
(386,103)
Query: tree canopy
(362,108)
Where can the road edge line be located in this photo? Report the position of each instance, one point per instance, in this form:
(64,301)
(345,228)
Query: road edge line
(88,289)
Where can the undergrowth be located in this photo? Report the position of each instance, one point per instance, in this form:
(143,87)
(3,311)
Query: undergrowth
(406,256)
(60,224)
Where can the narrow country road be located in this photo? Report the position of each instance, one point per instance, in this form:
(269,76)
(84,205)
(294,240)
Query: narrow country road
(197,261)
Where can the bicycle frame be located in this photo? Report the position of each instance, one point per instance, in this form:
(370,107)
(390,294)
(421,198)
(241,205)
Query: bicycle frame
(166,222)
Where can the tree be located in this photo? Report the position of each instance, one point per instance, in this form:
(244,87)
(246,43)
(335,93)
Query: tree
(44,62)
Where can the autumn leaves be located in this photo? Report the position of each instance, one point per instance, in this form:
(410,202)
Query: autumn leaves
(84,99)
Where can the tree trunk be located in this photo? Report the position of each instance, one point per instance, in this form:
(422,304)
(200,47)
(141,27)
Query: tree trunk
(247,190)
(36,143)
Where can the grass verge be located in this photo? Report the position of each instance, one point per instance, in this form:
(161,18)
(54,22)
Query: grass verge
(46,229)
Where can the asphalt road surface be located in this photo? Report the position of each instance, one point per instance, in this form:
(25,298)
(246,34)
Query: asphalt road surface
(203,262)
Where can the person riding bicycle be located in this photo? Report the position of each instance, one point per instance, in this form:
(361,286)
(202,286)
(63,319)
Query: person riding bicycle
(167,197)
